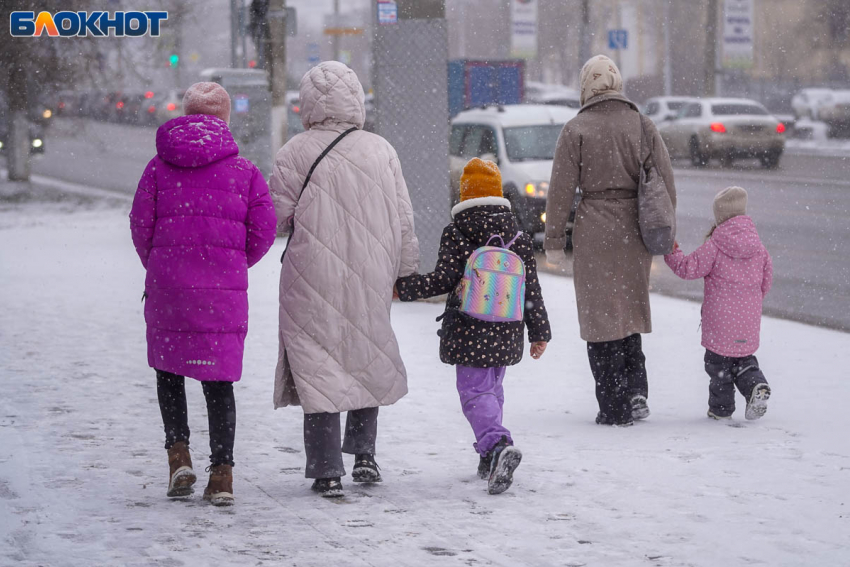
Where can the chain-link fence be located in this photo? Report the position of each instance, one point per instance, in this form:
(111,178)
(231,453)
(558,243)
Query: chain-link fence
(410,83)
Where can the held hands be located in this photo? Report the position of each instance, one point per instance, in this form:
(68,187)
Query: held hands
(537,349)
(395,293)
(556,258)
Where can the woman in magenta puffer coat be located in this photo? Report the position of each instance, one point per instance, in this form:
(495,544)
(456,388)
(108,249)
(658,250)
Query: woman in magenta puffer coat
(201,217)
(738,273)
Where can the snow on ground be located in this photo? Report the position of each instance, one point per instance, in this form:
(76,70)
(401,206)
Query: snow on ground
(83,472)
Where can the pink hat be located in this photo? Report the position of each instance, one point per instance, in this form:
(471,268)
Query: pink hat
(207,98)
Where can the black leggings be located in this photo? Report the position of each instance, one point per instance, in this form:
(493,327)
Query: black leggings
(221,407)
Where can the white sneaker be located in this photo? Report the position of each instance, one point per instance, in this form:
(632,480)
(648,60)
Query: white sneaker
(757,406)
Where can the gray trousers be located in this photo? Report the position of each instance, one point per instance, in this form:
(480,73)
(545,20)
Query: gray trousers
(322,440)
(726,374)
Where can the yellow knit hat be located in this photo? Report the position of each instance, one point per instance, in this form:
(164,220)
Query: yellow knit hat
(480,179)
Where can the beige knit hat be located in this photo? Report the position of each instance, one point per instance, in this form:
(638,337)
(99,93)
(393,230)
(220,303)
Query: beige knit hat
(729,203)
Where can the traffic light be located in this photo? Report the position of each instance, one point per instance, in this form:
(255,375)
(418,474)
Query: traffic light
(173,60)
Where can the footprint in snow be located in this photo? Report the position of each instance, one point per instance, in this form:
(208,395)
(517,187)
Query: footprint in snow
(358,524)
(440,551)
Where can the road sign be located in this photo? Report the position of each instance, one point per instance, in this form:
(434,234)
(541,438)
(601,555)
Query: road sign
(241,104)
(387,12)
(618,39)
(524,28)
(738,33)
(314,53)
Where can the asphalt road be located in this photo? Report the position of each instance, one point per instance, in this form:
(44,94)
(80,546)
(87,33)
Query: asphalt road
(802,211)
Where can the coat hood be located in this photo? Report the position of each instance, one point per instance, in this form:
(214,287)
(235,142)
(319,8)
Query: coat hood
(737,237)
(479,219)
(195,140)
(331,95)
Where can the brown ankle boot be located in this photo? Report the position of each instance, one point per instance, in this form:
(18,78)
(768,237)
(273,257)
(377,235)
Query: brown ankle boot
(219,489)
(181,476)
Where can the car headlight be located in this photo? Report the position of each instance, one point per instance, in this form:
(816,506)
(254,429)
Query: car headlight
(538,189)
(47,113)
(37,143)
(1,145)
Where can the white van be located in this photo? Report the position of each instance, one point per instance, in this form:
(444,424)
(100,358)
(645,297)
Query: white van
(521,139)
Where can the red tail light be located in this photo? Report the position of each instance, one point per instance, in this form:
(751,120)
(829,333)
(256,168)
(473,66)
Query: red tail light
(171,107)
(119,105)
(718,127)
(296,109)
(780,128)
(151,109)
(149,94)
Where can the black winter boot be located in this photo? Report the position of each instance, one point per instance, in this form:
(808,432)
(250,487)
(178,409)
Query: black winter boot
(365,469)
(484,466)
(328,487)
(505,460)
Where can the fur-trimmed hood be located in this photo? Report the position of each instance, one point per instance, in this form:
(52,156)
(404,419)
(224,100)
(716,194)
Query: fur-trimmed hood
(479,219)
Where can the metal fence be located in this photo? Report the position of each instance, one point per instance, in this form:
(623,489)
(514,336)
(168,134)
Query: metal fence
(410,83)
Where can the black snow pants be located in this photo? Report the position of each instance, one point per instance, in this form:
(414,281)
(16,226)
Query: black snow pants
(619,368)
(322,440)
(221,409)
(726,374)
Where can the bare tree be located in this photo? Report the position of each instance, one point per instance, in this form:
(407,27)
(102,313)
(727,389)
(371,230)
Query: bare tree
(30,66)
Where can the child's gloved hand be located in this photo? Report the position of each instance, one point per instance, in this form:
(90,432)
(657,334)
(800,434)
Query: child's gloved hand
(395,294)
(537,349)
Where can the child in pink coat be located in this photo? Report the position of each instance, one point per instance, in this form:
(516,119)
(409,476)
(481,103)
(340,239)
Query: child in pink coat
(738,274)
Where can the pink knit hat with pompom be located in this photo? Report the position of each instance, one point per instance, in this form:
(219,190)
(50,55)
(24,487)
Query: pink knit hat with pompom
(207,98)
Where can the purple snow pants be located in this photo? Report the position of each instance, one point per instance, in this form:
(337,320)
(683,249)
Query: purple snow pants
(482,398)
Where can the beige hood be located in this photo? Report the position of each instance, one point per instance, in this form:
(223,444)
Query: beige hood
(331,94)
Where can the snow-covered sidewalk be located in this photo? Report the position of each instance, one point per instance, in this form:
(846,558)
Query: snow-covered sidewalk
(83,472)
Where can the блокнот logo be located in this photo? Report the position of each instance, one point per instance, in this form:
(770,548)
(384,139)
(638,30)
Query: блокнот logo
(81,24)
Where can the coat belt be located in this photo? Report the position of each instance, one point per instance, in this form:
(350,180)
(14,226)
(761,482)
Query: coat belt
(610,194)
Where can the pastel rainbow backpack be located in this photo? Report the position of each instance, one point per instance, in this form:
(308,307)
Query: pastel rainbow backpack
(493,284)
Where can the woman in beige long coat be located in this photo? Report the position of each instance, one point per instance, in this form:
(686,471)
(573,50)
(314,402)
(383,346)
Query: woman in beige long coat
(353,238)
(599,152)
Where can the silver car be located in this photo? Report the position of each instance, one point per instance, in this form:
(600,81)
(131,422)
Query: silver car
(726,129)
(663,108)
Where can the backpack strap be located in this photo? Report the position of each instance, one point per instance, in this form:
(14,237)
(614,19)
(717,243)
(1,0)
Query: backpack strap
(514,239)
(499,236)
(645,147)
(322,155)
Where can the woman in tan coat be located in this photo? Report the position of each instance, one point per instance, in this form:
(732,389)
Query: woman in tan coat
(599,152)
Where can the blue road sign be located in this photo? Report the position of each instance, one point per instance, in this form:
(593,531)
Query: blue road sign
(618,39)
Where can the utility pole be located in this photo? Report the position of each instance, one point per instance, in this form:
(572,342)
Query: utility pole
(668,53)
(276,65)
(336,24)
(710,62)
(234,32)
(584,39)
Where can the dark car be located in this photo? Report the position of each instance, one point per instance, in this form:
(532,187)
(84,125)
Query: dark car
(36,136)
(36,130)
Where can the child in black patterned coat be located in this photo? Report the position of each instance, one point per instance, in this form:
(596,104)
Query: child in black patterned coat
(481,350)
